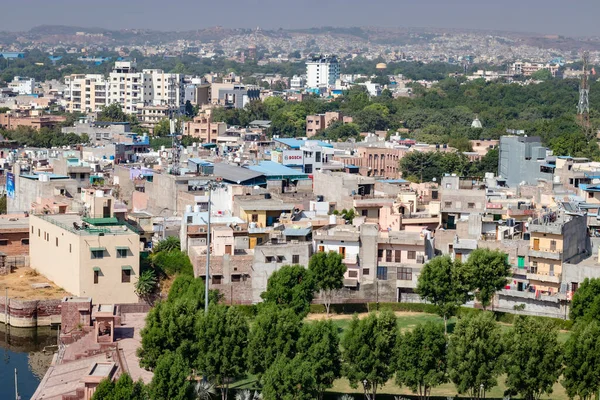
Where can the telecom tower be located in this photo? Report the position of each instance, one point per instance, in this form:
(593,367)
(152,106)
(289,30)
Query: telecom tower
(583,107)
(176,151)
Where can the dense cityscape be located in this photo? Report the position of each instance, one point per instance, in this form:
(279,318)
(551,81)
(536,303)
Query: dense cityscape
(319,213)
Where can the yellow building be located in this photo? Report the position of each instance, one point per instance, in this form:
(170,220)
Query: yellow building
(88,257)
(262,213)
(555,238)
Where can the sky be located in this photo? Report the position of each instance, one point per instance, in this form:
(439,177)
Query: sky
(564,17)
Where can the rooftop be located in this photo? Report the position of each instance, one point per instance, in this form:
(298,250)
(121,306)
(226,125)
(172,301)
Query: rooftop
(78,225)
(233,173)
(277,171)
(297,143)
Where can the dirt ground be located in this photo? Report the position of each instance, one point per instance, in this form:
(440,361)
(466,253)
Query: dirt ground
(316,317)
(19,286)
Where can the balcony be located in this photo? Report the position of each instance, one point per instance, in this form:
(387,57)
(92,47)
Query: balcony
(551,278)
(550,254)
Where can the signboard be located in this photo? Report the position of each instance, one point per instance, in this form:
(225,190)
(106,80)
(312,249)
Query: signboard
(293,157)
(10,185)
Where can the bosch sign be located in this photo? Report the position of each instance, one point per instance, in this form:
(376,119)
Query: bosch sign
(293,157)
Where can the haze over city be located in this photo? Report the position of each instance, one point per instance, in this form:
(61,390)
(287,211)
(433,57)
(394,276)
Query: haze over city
(577,18)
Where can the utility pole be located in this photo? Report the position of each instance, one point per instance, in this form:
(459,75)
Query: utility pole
(583,107)
(17,397)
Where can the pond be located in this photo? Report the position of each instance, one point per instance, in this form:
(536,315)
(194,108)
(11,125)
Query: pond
(23,349)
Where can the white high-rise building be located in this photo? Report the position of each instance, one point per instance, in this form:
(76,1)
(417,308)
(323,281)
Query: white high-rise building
(86,93)
(125,85)
(322,71)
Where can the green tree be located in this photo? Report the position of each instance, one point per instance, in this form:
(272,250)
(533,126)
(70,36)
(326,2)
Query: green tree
(444,283)
(169,244)
(292,286)
(368,351)
(474,354)
(533,360)
(275,332)
(461,144)
(586,301)
(420,360)
(289,380)
(146,284)
(489,270)
(3,204)
(222,338)
(319,345)
(581,376)
(163,128)
(113,113)
(189,109)
(171,378)
(541,75)
(172,262)
(327,270)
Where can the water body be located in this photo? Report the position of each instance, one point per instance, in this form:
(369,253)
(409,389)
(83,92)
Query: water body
(22,348)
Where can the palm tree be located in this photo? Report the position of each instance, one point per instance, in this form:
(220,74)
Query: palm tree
(204,390)
(248,395)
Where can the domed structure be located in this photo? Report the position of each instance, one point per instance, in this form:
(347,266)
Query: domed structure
(476,123)
(381,66)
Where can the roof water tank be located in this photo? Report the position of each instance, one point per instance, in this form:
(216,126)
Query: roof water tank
(196,208)
(188,208)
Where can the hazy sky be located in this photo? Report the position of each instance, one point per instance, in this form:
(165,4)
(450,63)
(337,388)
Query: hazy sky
(568,17)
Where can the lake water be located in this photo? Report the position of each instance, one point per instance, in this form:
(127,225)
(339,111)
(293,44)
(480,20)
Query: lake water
(22,348)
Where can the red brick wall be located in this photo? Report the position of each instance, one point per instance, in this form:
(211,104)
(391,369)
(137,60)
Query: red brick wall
(14,246)
(27,312)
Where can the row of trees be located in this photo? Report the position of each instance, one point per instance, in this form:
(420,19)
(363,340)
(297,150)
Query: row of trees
(450,284)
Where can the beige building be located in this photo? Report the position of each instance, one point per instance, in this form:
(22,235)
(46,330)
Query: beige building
(204,128)
(92,257)
(86,92)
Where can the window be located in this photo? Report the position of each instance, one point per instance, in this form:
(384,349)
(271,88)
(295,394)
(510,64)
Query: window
(470,205)
(236,278)
(39,232)
(96,276)
(342,251)
(364,213)
(412,255)
(125,276)
(380,254)
(534,267)
(295,259)
(366,271)
(32,229)
(321,249)
(434,194)
(404,274)
(216,279)
(121,253)
(388,255)
(56,242)
(269,259)
(3,242)
(398,256)
(254,217)
(382,273)
(70,248)
(190,219)
(353,274)
(97,254)
(25,242)
(448,204)
(553,245)
(551,266)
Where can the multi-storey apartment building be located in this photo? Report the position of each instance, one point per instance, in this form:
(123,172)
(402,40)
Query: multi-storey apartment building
(86,93)
(322,71)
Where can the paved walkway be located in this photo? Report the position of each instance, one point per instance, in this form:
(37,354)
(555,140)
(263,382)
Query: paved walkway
(128,336)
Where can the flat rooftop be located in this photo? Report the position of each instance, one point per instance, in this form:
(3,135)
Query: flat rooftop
(82,226)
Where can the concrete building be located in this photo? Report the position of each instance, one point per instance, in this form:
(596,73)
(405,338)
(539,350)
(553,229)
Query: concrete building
(44,192)
(322,71)
(14,236)
(133,89)
(86,92)
(271,256)
(524,159)
(100,132)
(234,95)
(12,120)
(203,127)
(555,238)
(22,85)
(94,257)
(344,240)
(317,123)
(528,68)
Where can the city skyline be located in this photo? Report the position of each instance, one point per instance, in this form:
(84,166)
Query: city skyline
(536,16)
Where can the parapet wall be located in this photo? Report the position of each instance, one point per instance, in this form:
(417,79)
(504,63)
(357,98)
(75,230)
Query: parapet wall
(30,313)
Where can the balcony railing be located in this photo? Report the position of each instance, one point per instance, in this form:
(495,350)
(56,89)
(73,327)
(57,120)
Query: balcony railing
(551,277)
(550,253)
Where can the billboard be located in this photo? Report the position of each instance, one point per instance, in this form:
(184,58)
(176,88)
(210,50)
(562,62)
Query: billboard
(10,185)
(293,157)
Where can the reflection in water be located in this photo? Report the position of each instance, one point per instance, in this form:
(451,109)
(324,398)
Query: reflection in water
(23,349)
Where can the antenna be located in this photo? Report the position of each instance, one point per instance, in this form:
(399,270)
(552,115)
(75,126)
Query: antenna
(583,107)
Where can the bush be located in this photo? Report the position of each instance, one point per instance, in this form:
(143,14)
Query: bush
(247,310)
